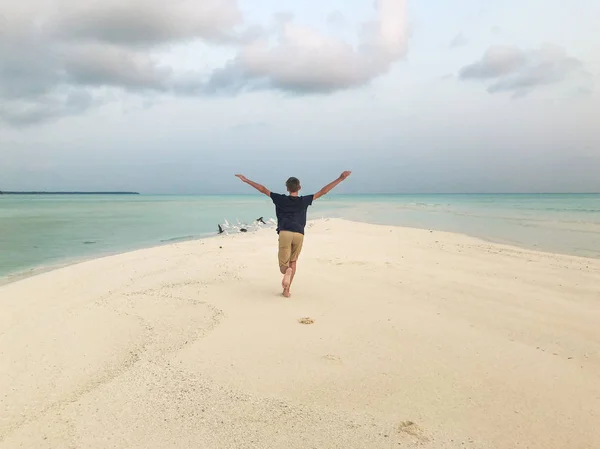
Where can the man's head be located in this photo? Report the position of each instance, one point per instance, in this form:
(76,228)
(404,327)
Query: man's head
(293,185)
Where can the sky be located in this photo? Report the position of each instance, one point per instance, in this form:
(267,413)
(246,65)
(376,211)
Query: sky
(412,96)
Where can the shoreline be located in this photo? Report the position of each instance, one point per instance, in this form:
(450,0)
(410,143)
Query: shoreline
(41,269)
(487,239)
(67,262)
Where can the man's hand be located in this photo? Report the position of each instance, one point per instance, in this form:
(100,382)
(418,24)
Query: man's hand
(325,190)
(345,174)
(257,186)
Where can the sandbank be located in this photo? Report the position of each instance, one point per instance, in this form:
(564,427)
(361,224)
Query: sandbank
(393,338)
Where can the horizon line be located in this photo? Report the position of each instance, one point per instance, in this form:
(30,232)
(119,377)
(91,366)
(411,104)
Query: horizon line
(137,193)
(402,193)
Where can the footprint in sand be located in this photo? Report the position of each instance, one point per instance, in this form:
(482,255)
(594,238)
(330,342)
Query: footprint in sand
(412,430)
(332,358)
(306,320)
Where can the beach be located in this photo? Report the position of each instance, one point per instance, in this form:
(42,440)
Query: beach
(393,338)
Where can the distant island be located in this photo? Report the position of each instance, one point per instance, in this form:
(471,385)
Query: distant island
(68,193)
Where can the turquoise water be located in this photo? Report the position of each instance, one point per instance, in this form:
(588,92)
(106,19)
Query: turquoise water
(563,223)
(48,230)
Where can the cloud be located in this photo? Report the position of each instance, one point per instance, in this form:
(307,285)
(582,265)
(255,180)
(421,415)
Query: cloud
(107,65)
(54,56)
(304,60)
(57,57)
(511,69)
(336,19)
(147,22)
(57,104)
(459,41)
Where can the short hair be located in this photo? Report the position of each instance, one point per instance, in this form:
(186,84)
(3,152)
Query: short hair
(293,184)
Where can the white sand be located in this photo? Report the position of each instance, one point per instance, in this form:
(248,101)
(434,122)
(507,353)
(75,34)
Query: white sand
(419,339)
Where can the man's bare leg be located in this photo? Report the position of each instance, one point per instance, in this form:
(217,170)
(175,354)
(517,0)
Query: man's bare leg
(293,267)
(287,279)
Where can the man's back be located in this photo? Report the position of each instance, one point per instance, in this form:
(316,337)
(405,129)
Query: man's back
(291,211)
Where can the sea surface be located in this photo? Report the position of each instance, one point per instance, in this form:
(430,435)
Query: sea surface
(39,232)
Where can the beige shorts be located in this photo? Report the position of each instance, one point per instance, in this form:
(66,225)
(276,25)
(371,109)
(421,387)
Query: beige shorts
(290,245)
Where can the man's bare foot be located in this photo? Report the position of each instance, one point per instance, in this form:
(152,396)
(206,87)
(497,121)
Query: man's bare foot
(286,292)
(287,279)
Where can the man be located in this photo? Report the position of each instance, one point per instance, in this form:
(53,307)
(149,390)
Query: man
(291,220)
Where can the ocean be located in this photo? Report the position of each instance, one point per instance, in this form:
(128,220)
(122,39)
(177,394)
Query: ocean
(39,232)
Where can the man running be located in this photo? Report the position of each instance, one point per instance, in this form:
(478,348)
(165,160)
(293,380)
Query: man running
(291,220)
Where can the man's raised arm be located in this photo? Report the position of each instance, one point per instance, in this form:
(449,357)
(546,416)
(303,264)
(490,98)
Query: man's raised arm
(257,186)
(331,185)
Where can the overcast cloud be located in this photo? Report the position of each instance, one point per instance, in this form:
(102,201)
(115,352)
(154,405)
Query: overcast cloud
(146,23)
(458,41)
(176,96)
(511,69)
(55,57)
(304,60)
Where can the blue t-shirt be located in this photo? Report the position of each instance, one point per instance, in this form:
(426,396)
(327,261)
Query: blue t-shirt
(291,211)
